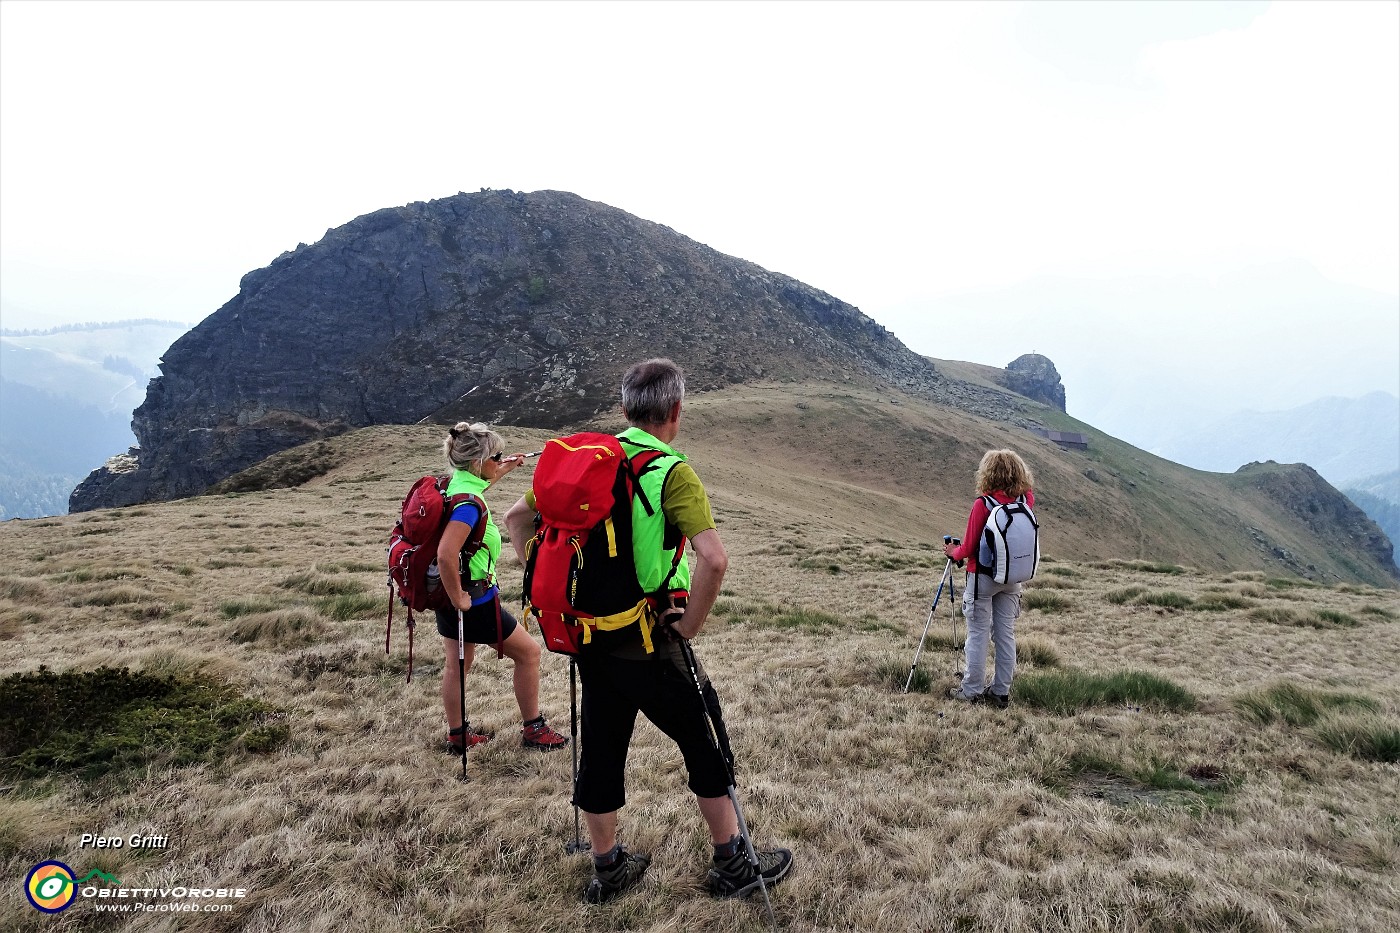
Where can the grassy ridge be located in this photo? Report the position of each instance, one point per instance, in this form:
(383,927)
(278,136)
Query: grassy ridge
(1135,782)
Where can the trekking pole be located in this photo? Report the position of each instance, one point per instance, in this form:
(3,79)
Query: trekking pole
(578,845)
(953,622)
(947,568)
(727,756)
(462,685)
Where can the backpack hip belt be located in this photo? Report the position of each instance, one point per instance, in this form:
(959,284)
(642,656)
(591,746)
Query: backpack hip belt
(477,588)
(643,615)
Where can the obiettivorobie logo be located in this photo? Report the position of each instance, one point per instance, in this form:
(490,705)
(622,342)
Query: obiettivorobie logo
(51,887)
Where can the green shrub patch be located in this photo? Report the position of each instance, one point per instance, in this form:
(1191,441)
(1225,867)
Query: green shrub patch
(1278,615)
(1331,618)
(111,596)
(1287,583)
(1142,566)
(804,618)
(1298,706)
(319,585)
(1220,602)
(1369,738)
(1119,597)
(246,607)
(1067,691)
(1318,618)
(1152,783)
(350,606)
(1045,602)
(1168,599)
(92,723)
(351,566)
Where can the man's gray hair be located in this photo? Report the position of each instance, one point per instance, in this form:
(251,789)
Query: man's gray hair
(650,389)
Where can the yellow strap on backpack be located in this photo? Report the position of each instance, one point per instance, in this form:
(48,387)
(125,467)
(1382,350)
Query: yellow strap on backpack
(642,614)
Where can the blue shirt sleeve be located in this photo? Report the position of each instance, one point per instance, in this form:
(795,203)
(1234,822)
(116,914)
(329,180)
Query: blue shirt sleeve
(466,513)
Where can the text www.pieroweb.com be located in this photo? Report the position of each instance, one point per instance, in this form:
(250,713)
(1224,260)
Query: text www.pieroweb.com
(162,908)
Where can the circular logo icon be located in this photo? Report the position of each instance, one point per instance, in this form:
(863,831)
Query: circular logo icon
(50,887)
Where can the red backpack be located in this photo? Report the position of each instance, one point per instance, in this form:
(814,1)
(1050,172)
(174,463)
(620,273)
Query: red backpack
(580,576)
(413,548)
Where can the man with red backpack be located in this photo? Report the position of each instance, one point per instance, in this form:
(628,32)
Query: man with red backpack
(646,669)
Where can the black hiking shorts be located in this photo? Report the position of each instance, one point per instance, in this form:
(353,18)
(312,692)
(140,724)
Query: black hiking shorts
(661,689)
(479,625)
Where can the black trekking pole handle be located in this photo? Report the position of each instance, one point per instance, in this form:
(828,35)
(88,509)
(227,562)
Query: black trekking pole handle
(949,539)
(749,852)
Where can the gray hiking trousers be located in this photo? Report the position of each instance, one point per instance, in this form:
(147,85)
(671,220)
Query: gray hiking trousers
(991,619)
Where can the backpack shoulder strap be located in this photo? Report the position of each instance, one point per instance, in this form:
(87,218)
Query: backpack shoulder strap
(641,463)
(478,532)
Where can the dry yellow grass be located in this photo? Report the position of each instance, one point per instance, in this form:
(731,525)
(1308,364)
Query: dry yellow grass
(905,812)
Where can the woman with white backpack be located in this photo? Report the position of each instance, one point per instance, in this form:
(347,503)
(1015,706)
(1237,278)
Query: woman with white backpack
(1002,549)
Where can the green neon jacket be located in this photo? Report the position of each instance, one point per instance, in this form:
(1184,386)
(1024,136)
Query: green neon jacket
(652,533)
(483,563)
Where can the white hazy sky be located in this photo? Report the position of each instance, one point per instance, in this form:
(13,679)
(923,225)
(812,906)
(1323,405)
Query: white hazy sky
(897,155)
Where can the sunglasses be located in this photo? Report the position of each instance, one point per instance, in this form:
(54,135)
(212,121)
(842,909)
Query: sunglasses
(496,458)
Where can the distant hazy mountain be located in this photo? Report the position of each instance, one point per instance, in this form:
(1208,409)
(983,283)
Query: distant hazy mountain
(1146,357)
(1353,442)
(65,405)
(1344,439)
(1379,497)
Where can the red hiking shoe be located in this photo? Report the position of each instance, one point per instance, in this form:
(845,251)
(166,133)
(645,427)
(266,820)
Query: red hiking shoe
(537,734)
(474,738)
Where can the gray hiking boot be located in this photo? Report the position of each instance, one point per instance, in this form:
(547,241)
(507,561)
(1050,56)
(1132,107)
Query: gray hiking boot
(608,883)
(735,877)
(1000,700)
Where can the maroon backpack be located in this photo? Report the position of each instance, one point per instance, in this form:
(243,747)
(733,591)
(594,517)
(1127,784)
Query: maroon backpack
(413,548)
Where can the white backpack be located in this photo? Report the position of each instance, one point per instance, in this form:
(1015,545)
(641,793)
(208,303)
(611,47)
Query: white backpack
(1010,548)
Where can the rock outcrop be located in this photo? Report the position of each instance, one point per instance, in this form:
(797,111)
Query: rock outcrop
(497,306)
(1035,377)
(1297,491)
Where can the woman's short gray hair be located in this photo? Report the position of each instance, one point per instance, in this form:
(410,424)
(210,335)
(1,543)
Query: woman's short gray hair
(468,444)
(650,389)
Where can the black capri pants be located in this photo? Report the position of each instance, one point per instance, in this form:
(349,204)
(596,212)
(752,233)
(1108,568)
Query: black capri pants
(660,688)
(479,624)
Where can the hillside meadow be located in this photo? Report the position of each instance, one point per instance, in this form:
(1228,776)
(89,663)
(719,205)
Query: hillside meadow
(1188,747)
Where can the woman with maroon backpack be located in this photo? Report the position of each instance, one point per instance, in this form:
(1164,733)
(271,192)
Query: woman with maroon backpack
(474,452)
(990,607)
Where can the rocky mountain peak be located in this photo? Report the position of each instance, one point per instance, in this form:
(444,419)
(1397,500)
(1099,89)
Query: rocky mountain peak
(498,306)
(1296,490)
(1034,376)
